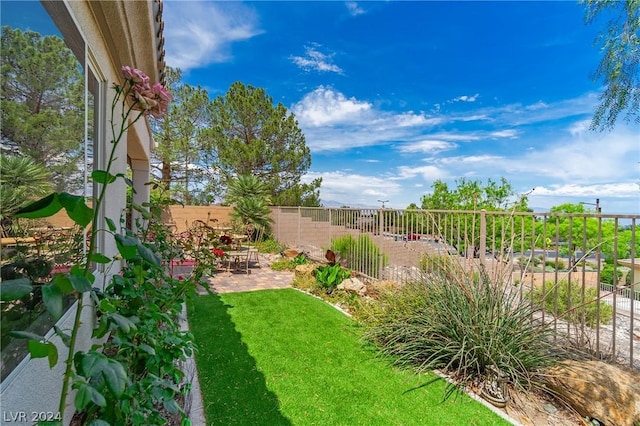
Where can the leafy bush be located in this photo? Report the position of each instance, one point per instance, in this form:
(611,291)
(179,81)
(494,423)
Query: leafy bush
(606,275)
(286,264)
(360,254)
(329,276)
(567,302)
(270,246)
(555,264)
(461,324)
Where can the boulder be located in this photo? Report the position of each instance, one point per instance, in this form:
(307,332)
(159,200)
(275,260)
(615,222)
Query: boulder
(290,253)
(598,390)
(305,270)
(353,285)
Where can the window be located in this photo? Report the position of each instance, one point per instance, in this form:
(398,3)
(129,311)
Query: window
(49,102)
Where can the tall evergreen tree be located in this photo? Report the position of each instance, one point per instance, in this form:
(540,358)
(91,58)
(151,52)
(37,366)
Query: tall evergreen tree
(248,135)
(42,104)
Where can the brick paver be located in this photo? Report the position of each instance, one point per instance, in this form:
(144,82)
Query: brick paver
(259,278)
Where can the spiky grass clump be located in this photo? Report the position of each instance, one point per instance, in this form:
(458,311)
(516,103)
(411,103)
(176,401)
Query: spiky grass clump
(462,323)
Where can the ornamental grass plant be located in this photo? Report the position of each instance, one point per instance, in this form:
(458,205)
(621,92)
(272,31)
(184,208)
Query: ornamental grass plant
(468,324)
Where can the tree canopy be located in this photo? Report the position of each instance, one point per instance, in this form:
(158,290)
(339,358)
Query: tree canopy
(619,66)
(472,195)
(184,170)
(248,135)
(42,103)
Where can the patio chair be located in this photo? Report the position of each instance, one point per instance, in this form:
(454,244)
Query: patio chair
(240,259)
(254,233)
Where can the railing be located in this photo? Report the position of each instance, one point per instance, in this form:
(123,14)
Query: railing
(524,250)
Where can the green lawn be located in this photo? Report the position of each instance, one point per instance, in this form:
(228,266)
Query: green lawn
(282,357)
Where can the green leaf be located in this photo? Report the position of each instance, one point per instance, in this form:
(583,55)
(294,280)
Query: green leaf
(127,246)
(52,298)
(80,283)
(25,335)
(43,350)
(76,208)
(116,377)
(110,224)
(107,306)
(86,394)
(147,254)
(44,207)
(102,329)
(91,363)
(124,323)
(66,339)
(171,406)
(15,289)
(99,258)
(148,349)
(102,177)
(63,282)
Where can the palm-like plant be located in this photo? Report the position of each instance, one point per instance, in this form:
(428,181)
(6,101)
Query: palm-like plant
(21,181)
(250,199)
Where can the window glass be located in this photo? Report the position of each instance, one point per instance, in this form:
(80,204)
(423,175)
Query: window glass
(47,145)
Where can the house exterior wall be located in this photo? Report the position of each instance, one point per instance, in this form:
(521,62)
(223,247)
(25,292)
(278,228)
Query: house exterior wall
(109,34)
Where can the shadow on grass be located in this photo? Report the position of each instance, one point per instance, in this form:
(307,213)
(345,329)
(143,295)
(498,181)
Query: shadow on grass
(234,391)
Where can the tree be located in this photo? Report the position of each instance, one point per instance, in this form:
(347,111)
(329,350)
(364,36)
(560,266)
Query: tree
(471,196)
(620,44)
(184,171)
(248,135)
(42,104)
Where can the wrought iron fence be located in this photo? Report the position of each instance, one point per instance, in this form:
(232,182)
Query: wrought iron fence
(583,270)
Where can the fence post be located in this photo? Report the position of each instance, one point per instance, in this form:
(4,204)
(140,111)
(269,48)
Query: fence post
(299,224)
(483,236)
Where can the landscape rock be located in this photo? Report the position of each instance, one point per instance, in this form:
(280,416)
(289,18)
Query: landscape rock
(305,270)
(598,390)
(290,253)
(353,285)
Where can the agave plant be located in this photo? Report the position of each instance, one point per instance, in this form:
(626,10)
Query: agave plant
(21,181)
(250,199)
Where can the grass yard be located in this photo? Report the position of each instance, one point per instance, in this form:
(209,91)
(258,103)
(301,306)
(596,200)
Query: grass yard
(282,357)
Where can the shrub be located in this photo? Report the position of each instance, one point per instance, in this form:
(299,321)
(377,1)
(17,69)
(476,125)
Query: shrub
(360,254)
(567,301)
(270,246)
(329,276)
(462,324)
(606,275)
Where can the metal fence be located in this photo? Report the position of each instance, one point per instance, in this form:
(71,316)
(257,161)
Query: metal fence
(529,251)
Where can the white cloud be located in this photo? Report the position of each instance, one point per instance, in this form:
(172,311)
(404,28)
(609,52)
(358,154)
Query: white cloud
(509,133)
(583,157)
(316,60)
(428,173)
(432,146)
(619,189)
(203,32)
(354,189)
(466,98)
(331,121)
(354,8)
(326,107)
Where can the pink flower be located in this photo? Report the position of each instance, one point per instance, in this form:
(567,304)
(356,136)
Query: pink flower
(135,75)
(152,100)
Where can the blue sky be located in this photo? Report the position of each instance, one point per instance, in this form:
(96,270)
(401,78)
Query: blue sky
(394,95)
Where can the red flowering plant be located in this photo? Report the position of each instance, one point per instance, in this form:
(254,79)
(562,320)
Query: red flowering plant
(134,377)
